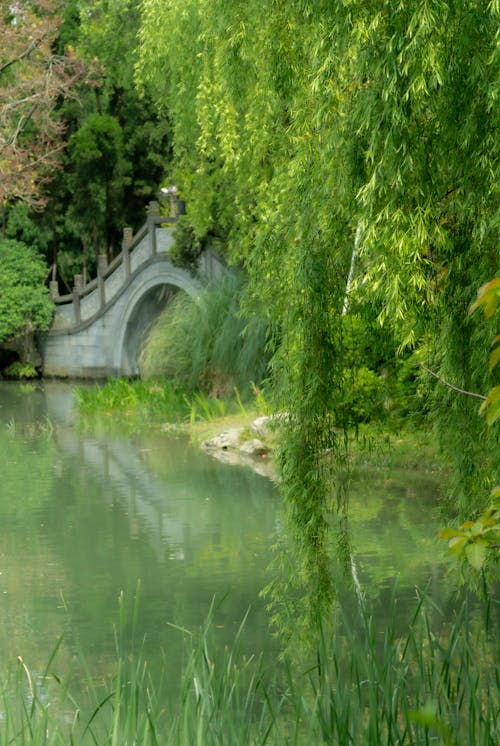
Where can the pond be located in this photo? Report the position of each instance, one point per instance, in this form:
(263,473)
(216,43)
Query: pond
(85,520)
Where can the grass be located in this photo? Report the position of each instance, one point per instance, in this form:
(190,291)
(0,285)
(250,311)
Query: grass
(132,405)
(122,396)
(436,683)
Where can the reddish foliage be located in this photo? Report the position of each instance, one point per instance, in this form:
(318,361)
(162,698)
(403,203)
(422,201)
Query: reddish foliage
(33,81)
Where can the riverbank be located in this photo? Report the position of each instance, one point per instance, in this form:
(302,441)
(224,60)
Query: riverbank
(244,433)
(240,440)
(252,440)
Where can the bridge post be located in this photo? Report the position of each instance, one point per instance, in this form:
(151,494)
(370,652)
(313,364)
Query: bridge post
(153,214)
(126,241)
(54,289)
(78,285)
(102,263)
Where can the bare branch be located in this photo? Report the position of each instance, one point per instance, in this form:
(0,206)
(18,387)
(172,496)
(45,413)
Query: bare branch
(450,385)
(35,44)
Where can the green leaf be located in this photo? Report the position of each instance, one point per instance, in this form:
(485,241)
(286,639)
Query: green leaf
(467,524)
(494,358)
(477,527)
(488,296)
(457,544)
(448,533)
(491,405)
(426,716)
(476,554)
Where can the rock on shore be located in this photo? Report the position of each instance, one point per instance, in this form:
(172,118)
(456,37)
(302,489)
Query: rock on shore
(233,447)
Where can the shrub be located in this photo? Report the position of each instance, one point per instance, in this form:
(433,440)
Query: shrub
(20,371)
(25,304)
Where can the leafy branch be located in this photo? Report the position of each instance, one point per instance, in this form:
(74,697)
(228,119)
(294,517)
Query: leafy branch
(474,538)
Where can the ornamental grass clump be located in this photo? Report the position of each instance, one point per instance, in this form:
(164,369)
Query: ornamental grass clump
(206,343)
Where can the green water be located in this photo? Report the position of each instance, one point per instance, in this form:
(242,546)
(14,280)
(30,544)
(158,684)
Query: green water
(85,519)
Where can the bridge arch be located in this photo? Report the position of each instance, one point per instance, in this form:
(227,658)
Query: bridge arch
(144,305)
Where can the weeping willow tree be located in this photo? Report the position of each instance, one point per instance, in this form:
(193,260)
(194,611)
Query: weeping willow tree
(345,151)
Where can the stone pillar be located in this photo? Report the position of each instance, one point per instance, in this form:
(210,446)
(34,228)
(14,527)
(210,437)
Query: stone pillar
(154,212)
(126,241)
(102,264)
(77,288)
(54,289)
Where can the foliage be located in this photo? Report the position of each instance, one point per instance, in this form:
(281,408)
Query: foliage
(489,299)
(97,181)
(134,146)
(475,538)
(208,343)
(205,408)
(33,81)
(186,248)
(131,404)
(25,304)
(362,397)
(348,153)
(20,371)
(87,203)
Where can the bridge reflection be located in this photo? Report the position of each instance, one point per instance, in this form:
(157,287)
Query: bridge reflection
(172,492)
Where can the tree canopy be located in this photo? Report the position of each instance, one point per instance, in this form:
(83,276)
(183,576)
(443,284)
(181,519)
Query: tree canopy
(347,153)
(113,155)
(328,138)
(33,79)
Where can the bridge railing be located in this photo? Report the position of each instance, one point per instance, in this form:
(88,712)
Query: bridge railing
(85,301)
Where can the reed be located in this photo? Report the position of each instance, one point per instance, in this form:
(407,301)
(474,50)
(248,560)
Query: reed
(357,685)
(132,404)
(425,686)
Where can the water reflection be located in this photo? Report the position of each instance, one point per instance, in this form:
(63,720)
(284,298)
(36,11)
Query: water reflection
(85,518)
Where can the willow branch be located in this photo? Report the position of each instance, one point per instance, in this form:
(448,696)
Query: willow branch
(451,386)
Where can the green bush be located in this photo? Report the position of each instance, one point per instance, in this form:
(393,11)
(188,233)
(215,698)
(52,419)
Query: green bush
(362,396)
(20,371)
(187,247)
(25,304)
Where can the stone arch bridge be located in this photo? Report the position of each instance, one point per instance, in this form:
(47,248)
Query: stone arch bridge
(99,328)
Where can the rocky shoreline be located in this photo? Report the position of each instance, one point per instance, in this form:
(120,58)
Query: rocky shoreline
(243,446)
